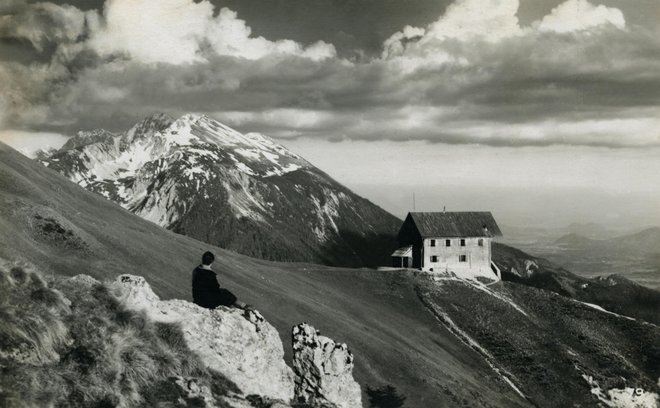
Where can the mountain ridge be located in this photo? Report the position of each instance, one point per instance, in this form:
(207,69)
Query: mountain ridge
(198,177)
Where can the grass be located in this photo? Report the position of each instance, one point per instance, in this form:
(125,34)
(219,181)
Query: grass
(547,349)
(71,343)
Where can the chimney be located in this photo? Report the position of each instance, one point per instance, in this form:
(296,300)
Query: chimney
(444,209)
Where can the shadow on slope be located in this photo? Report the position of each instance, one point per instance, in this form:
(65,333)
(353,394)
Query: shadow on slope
(369,249)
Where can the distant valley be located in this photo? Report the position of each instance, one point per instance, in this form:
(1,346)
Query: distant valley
(596,251)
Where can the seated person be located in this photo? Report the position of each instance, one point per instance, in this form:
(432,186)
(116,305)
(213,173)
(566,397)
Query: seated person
(205,288)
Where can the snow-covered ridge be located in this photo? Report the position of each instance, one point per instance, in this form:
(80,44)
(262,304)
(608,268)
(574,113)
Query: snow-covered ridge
(192,150)
(121,155)
(245,192)
(248,151)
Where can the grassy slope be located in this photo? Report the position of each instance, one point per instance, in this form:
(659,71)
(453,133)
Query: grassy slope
(395,338)
(77,346)
(614,293)
(550,341)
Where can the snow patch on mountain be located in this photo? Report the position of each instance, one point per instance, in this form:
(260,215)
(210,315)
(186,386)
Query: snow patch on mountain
(108,156)
(131,168)
(601,309)
(326,213)
(244,201)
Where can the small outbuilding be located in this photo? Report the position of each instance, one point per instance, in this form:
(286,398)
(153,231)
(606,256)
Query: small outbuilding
(458,242)
(402,257)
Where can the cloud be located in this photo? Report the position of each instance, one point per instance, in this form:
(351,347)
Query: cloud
(43,24)
(575,15)
(183,31)
(148,31)
(476,22)
(229,35)
(475,75)
(491,20)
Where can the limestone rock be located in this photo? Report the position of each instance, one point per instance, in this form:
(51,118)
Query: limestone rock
(323,370)
(240,345)
(193,389)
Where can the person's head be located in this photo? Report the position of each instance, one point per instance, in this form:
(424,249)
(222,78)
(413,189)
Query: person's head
(208,258)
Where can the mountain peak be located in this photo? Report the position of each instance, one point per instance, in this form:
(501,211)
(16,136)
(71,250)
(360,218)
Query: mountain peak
(198,176)
(85,138)
(147,127)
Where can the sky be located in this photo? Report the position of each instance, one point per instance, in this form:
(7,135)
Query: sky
(545,112)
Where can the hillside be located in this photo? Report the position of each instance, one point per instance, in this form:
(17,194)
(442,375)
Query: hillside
(391,320)
(372,312)
(614,293)
(244,192)
(558,352)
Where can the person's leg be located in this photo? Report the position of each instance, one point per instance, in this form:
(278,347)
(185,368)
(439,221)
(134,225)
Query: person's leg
(227,298)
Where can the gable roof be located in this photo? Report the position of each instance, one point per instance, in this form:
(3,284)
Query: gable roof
(455,224)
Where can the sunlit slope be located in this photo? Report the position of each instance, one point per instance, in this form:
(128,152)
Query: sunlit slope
(61,228)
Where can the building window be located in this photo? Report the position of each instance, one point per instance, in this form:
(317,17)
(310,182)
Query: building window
(432,242)
(481,242)
(462,242)
(448,242)
(462,258)
(434,258)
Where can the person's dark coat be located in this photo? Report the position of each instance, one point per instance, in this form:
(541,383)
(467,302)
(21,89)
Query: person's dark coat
(207,292)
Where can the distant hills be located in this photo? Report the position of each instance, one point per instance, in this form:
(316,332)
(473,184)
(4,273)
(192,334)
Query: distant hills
(640,243)
(636,256)
(588,229)
(574,240)
(530,341)
(244,192)
(590,249)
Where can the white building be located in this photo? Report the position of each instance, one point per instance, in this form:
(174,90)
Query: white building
(448,242)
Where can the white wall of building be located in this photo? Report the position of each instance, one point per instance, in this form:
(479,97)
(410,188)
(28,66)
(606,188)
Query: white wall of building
(447,258)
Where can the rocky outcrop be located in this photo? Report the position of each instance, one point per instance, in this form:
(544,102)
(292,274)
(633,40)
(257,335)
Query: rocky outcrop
(323,370)
(240,345)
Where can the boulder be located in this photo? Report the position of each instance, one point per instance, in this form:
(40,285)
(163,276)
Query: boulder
(241,345)
(323,370)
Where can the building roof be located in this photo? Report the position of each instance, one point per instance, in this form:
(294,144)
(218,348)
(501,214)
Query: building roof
(456,224)
(404,252)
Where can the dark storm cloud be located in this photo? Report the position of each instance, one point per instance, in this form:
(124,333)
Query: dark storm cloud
(538,84)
